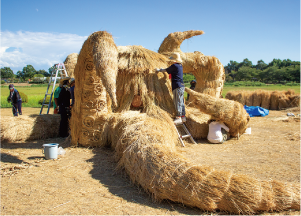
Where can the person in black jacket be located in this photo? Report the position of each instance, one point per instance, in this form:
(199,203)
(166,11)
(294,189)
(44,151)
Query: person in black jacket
(15,99)
(64,108)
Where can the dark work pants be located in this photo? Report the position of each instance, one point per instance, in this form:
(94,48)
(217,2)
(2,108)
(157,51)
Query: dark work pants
(17,108)
(64,124)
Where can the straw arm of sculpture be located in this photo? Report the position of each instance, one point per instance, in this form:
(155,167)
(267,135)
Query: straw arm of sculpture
(151,161)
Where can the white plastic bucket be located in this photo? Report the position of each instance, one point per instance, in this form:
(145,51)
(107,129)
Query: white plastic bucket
(50,150)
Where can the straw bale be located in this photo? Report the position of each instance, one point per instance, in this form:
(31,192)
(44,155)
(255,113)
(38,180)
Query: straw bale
(70,63)
(257,98)
(230,112)
(275,100)
(197,123)
(238,96)
(284,101)
(231,95)
(248,98)
(265,99)
(33,127)
(294,101)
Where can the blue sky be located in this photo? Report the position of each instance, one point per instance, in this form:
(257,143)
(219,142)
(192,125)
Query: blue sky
(44,32)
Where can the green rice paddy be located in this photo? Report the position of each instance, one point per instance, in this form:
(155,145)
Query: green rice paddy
(37,93)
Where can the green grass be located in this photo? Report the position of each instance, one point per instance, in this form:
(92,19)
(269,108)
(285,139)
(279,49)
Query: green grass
(34,95)
(38,92)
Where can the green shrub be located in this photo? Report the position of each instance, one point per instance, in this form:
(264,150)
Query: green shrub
(24,97)
(46,101)
(2,82)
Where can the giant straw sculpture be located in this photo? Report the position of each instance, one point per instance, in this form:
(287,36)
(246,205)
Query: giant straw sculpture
(142,149)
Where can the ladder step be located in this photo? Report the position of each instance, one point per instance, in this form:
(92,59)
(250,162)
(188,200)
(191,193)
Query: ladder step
(45,104)
(185,136)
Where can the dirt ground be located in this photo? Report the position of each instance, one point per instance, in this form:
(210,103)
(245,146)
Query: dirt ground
(85,181)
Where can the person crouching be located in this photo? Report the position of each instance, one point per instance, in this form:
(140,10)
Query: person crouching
(218,132)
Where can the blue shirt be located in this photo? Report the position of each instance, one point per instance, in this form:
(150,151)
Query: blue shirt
(176,71)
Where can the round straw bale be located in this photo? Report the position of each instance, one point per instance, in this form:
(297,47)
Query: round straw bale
(230,112)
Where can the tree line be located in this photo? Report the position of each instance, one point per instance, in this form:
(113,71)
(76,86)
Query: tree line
(274,72)
(28,73)
(277,71)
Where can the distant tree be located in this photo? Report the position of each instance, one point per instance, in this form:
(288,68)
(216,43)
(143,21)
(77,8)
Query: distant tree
(246,62)
(232,66)
(43,72)
(6,72)
(275,62)
(20,75)
(245,73)
(28,71)
(261,65)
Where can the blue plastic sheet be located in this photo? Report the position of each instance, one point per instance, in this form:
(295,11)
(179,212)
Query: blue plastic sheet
(256,111)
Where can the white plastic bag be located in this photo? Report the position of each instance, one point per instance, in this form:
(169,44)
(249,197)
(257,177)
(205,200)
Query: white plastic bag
(61,151)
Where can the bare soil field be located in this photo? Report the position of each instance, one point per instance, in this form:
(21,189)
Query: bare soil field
(85,181)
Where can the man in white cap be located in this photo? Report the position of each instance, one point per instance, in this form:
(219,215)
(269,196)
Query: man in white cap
(177,83)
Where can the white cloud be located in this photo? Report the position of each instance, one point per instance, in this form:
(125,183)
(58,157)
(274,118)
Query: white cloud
(39,49)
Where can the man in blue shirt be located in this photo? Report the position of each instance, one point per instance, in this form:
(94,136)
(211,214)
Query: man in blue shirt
(177,83)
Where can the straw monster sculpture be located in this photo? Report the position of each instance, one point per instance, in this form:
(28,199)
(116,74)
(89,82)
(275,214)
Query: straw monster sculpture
(121,102)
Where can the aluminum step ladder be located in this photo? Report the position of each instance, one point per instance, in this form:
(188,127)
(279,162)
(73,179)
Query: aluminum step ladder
(183,133)
(60,67)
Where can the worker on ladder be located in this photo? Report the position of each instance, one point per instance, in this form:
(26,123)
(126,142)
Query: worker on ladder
(178,87)
(64,107)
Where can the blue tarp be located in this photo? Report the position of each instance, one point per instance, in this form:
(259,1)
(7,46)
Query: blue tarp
(256,111)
